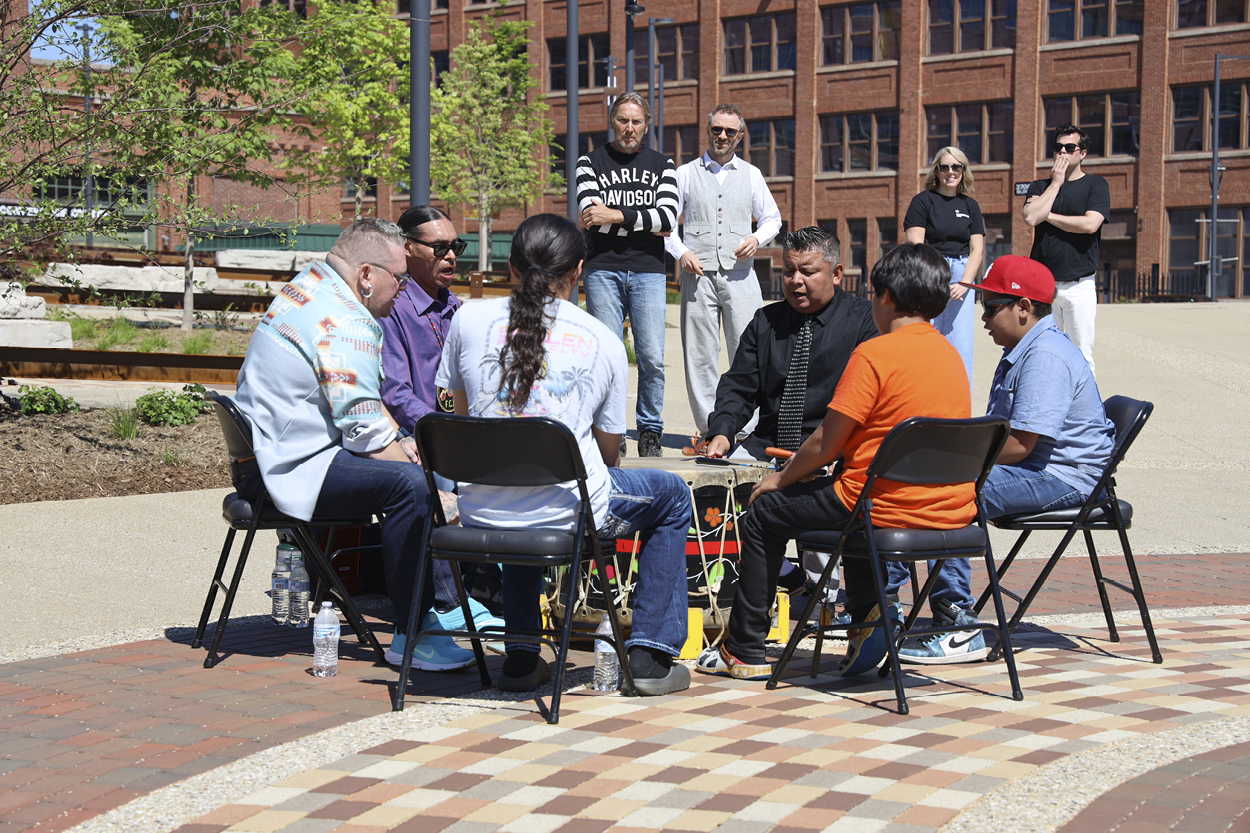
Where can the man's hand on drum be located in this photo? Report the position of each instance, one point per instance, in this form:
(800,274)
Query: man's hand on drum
(717,446)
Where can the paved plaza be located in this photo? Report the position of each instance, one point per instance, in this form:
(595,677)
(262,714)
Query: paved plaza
(109,722)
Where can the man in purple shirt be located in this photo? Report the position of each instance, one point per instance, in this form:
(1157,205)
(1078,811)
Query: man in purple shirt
(414,334)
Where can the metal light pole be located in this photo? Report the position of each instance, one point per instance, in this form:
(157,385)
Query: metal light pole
(652,63)
(659,113)
(88,178)
(1213,257)
(419,109)
(631,9)
(572,141)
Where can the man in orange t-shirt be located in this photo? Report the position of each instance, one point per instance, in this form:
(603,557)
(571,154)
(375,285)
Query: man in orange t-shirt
(910,370)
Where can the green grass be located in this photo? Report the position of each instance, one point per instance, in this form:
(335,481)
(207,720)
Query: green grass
(123,422)
(80,328)
(151,343)
(672,298)
(198,344)
(170,457)
(120,331)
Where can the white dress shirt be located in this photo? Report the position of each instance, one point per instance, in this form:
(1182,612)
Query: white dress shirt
(763,206)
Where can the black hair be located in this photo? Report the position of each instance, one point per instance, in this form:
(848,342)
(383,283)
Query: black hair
(813,238)
(917,277)
(1068,130)
(419,215)
(1040,310)
(545,248)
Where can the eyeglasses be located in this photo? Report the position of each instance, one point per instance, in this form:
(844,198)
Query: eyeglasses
(990,307)
(957,168)
(401,278)
(1066,147)
(729,132)
(441,249)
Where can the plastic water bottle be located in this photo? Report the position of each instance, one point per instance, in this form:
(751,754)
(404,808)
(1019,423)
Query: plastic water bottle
(607,664)
(298,615)
(281,584)
(326,642)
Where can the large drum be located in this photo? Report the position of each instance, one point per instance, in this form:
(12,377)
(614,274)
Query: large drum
(719,494)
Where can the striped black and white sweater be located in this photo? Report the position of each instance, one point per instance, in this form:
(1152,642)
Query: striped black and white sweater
(643,187)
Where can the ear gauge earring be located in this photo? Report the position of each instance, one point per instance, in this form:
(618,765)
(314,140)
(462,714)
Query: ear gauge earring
(368,294)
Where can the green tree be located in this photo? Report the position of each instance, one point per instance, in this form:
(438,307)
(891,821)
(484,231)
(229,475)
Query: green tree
(352,97)
(489,144)
(182,90)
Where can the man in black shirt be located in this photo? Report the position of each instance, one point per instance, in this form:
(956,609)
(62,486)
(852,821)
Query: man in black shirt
(627,195)
(812,260)
(1067,212)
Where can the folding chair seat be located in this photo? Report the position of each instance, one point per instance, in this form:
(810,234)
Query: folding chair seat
(918,451)
(257,512)
(520,453)
(1103,511)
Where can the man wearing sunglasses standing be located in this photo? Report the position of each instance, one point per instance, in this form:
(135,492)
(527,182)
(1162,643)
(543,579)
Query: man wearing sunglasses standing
(719,193)
(627,195)
(1067,212)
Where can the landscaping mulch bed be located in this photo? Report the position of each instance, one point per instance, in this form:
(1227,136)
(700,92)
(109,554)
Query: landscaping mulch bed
(75,455)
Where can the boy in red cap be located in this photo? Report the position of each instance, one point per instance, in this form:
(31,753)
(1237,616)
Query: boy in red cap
(1060,435)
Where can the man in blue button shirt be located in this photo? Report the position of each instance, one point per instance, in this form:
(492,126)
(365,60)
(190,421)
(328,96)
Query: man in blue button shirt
(1060,436)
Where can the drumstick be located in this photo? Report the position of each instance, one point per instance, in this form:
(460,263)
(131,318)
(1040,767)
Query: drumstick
(778,452)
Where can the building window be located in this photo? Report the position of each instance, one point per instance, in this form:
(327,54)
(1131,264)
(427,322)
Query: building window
(982,131)
(586,142)
(1078,19)
(997,239)
(760,44)
(676,49)
(592,51)
(405,6)
(1191,117)
(887,230)
(442,63)
(1189,245)
(299,7)
(860,32)
(971,25)
(770,146)
(371,188)
(1112,121)
(1191,14)
(859,142)
(857,231)
(682,144)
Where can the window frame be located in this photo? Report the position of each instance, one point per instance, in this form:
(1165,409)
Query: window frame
(1207,91)
(679,153)
(748,44)
(952,138)
(992,11)
(1211,13)
(586,56)
(879,7)
(874,141)
(770,171)
(682,33)
(1107,127)
(1114,15)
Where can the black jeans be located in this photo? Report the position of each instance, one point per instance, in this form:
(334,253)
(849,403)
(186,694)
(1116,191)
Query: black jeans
(772,521)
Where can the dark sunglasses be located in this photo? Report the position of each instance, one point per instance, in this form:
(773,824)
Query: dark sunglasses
(729,132)
(989,307)
(957,168)
(1066,147)
(441,249)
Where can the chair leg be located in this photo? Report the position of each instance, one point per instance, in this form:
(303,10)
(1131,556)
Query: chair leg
(1139,595)
(618,631)
(1004,632)
(919,598)
(799,631)
(228,602)
(212,590)
(470,625)
(1041,579)
(1102,587)
(321,564)
(1002,571)
(878,580)
(410,627)
(319,590)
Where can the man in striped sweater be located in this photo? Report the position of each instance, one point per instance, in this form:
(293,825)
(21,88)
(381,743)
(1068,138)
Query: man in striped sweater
(627,195)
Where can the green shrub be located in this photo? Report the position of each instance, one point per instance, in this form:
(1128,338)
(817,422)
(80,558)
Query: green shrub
(120,331)
(198,344)
(151,343)
(672,297)
(123,422)
(162,407)
(44,400)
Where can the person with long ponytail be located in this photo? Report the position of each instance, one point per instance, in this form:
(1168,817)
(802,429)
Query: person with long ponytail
(537,354)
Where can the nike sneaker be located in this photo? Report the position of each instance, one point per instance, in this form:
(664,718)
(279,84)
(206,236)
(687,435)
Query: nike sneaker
(431,653)
(947,648)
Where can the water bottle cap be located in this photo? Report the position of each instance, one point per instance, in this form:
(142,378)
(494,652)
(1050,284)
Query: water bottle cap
(325,604)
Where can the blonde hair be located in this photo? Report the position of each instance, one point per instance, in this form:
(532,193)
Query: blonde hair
(965,184)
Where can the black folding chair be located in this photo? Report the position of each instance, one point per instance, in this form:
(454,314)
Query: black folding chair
(1102,511)
(519,453)
(918,451)
(255,512)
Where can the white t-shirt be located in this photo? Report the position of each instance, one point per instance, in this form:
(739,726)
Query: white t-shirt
(584,383)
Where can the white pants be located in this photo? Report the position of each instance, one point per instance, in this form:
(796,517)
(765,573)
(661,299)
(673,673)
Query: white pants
(1076,303)
(707,302)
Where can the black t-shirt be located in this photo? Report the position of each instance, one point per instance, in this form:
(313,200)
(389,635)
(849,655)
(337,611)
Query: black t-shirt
(948,221)
(643,186)
(1068,254)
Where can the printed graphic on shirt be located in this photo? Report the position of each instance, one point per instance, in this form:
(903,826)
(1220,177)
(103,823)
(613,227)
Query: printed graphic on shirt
(558,394)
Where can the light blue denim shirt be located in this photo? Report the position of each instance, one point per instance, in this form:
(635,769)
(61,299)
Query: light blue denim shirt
(1044,386)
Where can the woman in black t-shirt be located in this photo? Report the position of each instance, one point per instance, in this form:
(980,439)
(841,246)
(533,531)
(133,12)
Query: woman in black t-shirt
(946,217)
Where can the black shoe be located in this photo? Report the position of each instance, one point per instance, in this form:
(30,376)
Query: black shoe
(649,444)
(677,679)
(536,678)
(792,582)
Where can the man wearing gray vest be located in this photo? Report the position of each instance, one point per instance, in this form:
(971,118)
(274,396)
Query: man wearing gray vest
(719,193)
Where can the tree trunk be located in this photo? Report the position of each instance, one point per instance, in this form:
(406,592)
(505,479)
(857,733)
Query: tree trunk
(188,276)
(360,200)
(483,235)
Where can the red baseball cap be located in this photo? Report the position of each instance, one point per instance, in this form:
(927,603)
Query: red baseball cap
(1019,276)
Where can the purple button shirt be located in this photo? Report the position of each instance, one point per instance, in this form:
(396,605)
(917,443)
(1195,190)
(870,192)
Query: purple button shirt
(412,347)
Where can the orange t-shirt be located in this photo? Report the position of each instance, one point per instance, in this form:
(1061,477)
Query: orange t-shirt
(913,371)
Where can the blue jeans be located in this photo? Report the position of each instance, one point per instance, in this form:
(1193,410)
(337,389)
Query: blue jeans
(359,486)
(956,321)
(658,504)
(1012,490)
(641,295)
